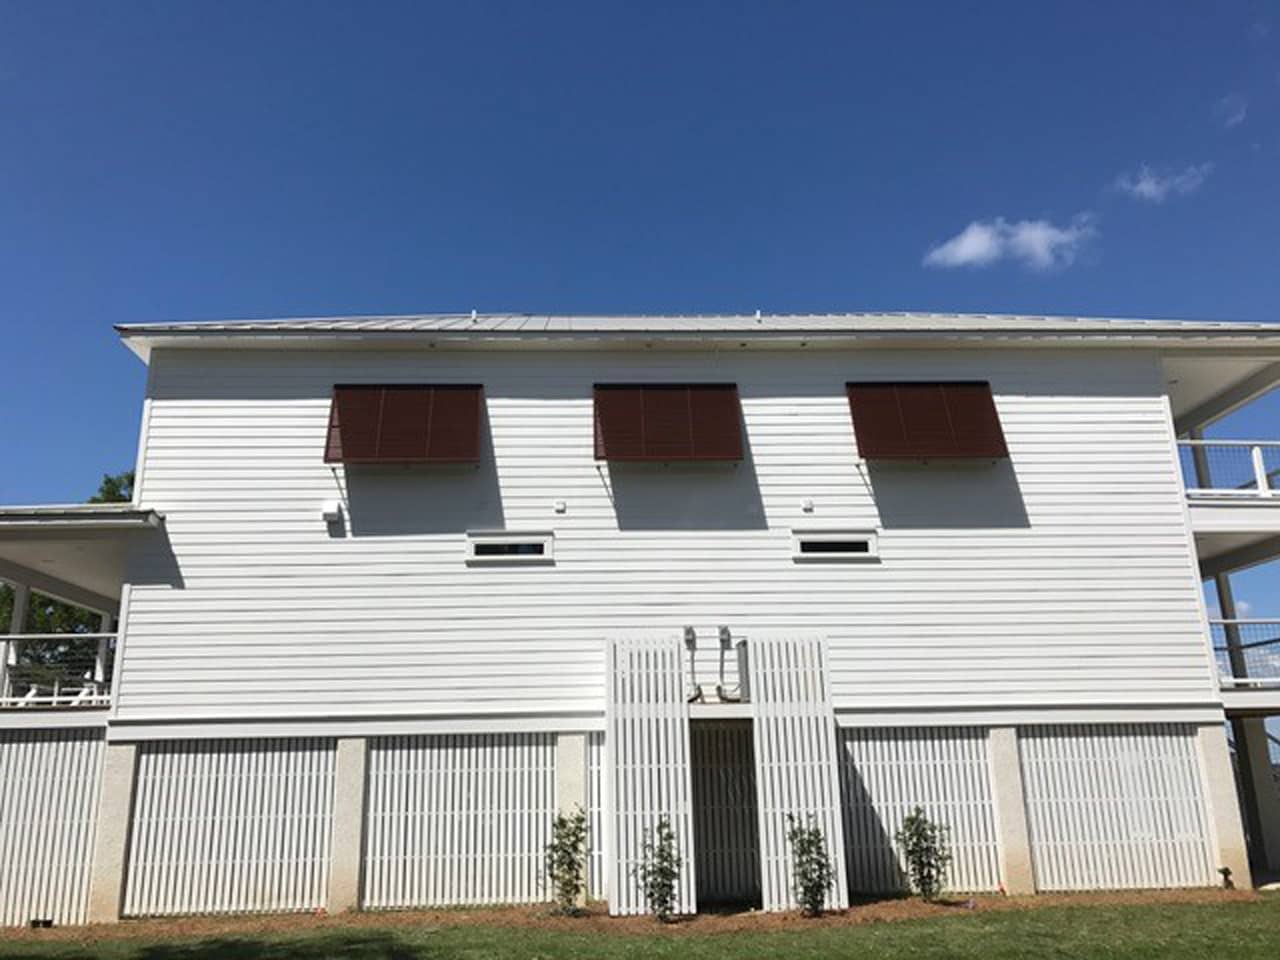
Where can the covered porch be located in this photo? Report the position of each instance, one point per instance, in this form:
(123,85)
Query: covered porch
(76,555)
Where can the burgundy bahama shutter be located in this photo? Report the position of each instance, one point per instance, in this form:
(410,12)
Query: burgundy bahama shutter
(915,421)
(668,421)
(404,423)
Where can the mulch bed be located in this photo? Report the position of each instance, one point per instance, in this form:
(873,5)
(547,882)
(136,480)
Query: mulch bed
(597,920)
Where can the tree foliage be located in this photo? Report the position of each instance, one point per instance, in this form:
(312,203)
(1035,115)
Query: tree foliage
(927,852)
(659,870)
(567,859)
(812,873)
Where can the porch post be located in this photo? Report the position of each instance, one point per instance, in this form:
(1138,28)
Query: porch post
(349,794)
(1016,867)
(106,624)
(111,839)
(1224,804)
(17,622)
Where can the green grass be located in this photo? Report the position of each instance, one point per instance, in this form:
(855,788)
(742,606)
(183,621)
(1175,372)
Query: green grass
(1238,930)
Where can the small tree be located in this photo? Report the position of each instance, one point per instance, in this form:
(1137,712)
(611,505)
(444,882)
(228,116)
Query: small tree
(812,874)
(659,870)
(567,859)
(925,846)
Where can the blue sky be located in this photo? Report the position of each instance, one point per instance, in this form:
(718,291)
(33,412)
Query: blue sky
(177,160)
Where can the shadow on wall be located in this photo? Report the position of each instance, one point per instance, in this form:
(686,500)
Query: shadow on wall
(938,495)
(871,857)
(152,561)
(686,496)
(389,500)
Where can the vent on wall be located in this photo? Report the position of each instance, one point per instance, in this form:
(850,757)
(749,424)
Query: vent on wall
(835,546)
(404,423)
(915,421)
(501,547)
(668,421)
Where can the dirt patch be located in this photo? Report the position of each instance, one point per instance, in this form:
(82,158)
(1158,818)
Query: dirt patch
(597,919)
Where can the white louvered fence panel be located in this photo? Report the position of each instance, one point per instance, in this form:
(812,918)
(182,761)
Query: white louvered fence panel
(797,770)
(231,826)
(1111,807)
(647,765)
(726,824)
(596,881)
(886,773)
(49,785)
(456,820)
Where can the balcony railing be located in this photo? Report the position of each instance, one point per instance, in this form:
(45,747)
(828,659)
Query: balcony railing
(59,670)
(1230,467)
(1247,651)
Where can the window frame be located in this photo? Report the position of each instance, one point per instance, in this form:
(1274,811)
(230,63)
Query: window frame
(801,535)
(546,538)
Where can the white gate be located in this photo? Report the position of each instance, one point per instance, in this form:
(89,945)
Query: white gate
(458,819)
(946,771)
(648,765)
(797,771)
(231,826)
(1114,806)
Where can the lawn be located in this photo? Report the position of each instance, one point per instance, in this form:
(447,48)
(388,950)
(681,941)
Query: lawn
(1236,928)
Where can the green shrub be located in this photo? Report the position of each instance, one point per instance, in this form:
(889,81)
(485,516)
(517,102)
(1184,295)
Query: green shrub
(567,860)
(659,870)
(925,847)
(812,874)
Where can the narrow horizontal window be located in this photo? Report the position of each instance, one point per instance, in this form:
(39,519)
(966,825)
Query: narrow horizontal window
(504,547)
(511,549)
(920,421)
(404,423)
(668,421)
(817,546)
(834,546)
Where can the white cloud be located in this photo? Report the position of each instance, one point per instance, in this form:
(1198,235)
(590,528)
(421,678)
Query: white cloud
(1037,244)
(1232,109)
(1243,608)
(1157,185)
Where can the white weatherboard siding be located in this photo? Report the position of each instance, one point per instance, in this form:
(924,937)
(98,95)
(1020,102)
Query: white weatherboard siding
(945,771)
(49,783)
(1061,577)
(1110,807)
(230,826)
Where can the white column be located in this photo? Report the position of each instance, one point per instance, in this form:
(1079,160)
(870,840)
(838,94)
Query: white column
(571,781)
(571,772)
(348,824)
(107,624)
(17,620)
(1224,804)
(111,839)
(1016,867)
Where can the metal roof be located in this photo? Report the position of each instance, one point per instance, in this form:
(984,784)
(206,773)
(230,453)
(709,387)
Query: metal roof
(832,323)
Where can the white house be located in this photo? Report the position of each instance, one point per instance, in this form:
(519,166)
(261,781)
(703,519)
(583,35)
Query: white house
(393,590)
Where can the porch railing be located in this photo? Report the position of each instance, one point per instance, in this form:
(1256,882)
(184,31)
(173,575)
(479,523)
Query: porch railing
(1247,651)
(1233,467)
(56,670)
